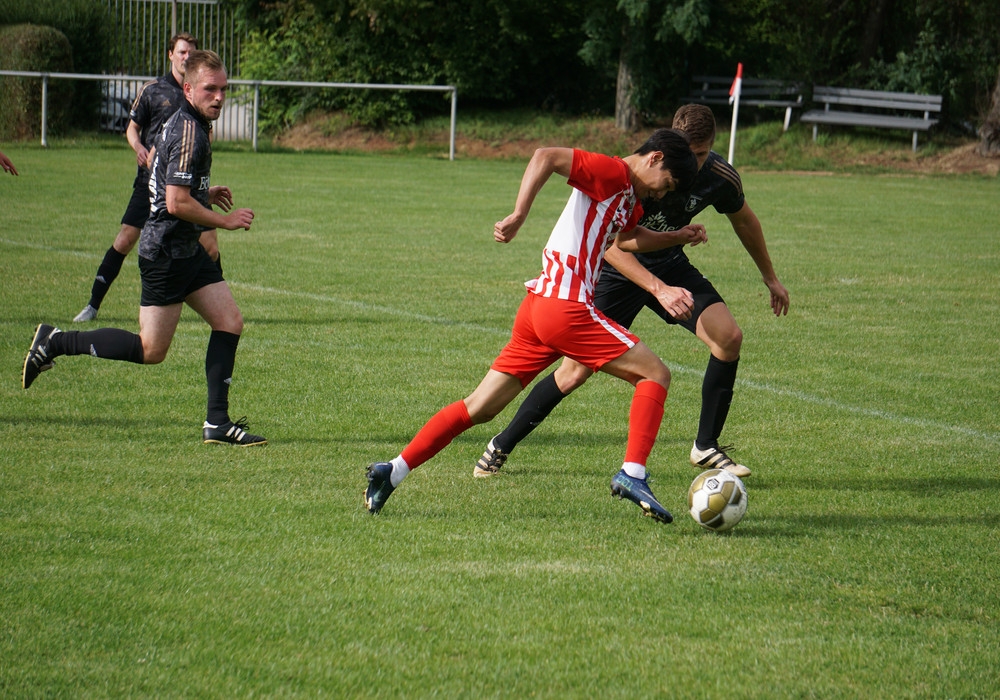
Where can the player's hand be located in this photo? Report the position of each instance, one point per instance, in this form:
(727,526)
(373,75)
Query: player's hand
(7,165)
(779,297)
(504,231)
(692,234)
(221,196)
(143,158)
(239,218)
(677,301)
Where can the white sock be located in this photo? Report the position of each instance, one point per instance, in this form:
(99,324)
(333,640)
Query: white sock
(635,470)
(399,471)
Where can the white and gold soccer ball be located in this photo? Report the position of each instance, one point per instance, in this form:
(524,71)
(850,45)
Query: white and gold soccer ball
(717,500)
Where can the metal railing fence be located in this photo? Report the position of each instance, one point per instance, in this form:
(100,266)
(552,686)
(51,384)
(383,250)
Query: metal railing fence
(239,118)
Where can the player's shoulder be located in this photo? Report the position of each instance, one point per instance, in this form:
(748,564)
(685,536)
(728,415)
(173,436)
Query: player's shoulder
(719,169)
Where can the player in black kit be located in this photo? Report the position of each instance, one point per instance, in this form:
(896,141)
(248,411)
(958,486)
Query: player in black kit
(629,283)
(175,268)
(157,101)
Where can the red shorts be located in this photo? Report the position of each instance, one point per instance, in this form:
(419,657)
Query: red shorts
(546,329)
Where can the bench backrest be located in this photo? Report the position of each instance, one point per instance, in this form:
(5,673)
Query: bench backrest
(876,98)
(711,86)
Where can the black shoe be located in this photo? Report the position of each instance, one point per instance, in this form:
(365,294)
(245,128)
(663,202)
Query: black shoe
(379,486)
(39,358)
(231,434)
(637,491)
(491,461)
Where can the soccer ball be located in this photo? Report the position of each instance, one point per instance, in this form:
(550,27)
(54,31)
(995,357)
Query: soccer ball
(717,499)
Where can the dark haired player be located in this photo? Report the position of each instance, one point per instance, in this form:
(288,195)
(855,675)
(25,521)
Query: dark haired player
(630,283)
(557,316)
(175,268)
(156,102)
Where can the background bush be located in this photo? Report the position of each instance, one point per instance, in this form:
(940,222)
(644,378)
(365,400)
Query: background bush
(31,47)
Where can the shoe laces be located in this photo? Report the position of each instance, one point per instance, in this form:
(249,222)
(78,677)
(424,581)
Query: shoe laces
(242,423)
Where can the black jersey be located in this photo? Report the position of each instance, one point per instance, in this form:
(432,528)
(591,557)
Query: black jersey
(154,105)
(183,157)
(717,184)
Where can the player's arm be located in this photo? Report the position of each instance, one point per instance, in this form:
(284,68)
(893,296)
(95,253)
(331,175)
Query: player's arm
(644,240)
(132,133)
(181,204)
(677,301)
(543,163)
(748,229)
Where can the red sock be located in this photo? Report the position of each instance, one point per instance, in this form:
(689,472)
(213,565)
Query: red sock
(644,420)
(443,427)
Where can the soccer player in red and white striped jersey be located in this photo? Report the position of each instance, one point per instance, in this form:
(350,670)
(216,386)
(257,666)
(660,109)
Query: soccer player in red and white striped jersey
(557,317)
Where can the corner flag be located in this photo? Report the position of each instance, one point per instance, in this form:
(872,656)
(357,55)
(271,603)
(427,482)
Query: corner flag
(734,100)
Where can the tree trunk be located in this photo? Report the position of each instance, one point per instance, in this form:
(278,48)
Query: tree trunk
(989,132)
(626,116)
(872,37)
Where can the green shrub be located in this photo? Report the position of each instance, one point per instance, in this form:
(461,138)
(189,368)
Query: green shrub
(30,47)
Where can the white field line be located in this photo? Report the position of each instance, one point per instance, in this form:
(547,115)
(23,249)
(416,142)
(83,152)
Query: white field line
(440,320)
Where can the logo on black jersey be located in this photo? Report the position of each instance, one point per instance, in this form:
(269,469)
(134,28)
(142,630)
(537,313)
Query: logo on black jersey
(204,183)
(692,203)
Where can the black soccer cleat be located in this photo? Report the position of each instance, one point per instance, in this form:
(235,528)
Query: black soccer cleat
(637,491)
(491,461)
(39,358)
(231,433)
(379,486)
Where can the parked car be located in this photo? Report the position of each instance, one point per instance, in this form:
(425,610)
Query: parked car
(116,102)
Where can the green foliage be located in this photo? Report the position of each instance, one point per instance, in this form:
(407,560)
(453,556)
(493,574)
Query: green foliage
(29,47)
(494,52)
(84,24)
(141,563)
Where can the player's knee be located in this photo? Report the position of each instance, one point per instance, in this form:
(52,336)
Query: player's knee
(152,355)
(571,377)
(126,239)
(732,341)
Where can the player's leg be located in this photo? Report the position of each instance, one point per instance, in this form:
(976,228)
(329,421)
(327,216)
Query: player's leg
(494,392)
(133,219)
(519,362)
(717,328)
(215,303)
(651,378)
(106,343)
(108,270)
(535,408)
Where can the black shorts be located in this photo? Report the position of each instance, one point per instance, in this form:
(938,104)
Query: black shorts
(138,207)
(621,300)
(167,281)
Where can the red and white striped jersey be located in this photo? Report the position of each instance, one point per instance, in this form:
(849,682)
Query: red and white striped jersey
(602,204)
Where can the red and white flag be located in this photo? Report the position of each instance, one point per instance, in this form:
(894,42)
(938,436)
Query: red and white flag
(737,86)
(734,100)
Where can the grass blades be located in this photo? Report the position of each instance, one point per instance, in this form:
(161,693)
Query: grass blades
(139,562)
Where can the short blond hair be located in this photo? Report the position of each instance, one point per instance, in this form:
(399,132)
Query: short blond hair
(199,60)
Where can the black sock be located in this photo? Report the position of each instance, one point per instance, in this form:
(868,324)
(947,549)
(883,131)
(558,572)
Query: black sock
(532,411)
(220,358)
(107,272)
(716,396)
(105,343)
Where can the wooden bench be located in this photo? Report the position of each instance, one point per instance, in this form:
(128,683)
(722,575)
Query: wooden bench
(754,92)
(896,110)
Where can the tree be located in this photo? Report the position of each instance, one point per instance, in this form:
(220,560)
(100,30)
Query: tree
(989,132)
(644,40)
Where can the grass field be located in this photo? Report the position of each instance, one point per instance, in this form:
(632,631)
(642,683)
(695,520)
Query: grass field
(139,562)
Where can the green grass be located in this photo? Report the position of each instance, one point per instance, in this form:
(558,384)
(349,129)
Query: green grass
(139,562)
